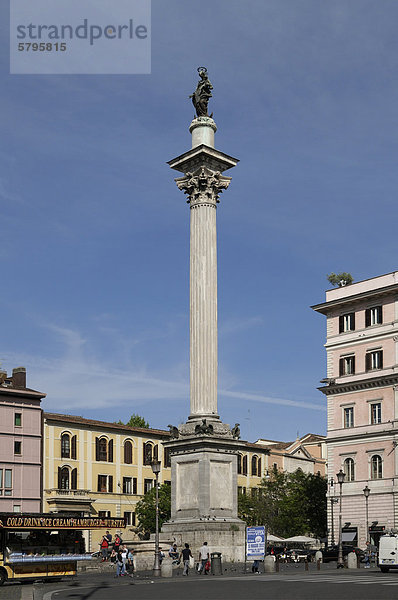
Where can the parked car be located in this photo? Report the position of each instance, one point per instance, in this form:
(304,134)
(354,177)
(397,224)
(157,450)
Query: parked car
(332,552)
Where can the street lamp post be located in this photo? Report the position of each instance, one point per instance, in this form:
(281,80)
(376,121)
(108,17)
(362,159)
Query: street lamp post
(340,479)
(366,492)
(156,566)
(333,501)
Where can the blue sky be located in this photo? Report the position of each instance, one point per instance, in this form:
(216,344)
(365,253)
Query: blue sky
(95,235)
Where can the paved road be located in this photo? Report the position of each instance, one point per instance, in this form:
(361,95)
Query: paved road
(361,585)
(324,585)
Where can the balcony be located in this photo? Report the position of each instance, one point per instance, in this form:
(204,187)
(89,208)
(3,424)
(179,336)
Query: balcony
(68,499)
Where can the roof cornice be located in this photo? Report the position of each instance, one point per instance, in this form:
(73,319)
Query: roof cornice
(356,386)
(325,307)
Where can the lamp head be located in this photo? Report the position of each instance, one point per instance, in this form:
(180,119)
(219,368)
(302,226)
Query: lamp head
(340,476)
(155,467)
(366,491)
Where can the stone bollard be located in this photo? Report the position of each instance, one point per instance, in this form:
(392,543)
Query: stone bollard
(318,564)
(318,556)
(166,568)
(38,591)
(352,560)
(306,565)
(277,564)
(269,564)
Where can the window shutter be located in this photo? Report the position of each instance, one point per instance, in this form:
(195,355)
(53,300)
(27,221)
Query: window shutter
(134,485)
(59,477)
(341,366)
(259,467)
(352,321)
(144,454)
(367,317)
(239,464)
(99,483)
(380,314)
(245,465)
(341,324)
(381,359)
(155,452)
(74,479)
(110,483)
(353,365)
(110,451)
(74,441)
(97,452)
(368,363)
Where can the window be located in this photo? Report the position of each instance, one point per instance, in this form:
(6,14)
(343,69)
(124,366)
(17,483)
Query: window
(127,518)
(167,482)
(256,466)
(104,514)
(64,479)
(147,453)
(134,487)
(16,508)
(127,487)
(128,452)
(374,360)
(254,492)
(349,417)
(18,419)
(375,413)
(241,490)
(105,483)
(244,465)
(65,445)
(239,464)
(166,457)
(7,482)
(275,466)
(347,322)
(148,485)
(103,449)
(373,316)
(349,469)
(347,365)
(17,447)
(376,471)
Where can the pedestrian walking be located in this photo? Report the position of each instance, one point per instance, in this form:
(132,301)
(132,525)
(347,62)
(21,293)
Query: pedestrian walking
(130,562)
(367,555)
(118,542)
(186,555)
(119,564)
(204,557)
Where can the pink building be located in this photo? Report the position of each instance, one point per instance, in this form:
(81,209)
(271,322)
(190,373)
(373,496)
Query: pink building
(20,444)
(362,405)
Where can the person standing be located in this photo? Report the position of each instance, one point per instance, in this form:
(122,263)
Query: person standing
(367,555)
(130,562)
(186,555)
(104,545)
(204,556)
(117,543)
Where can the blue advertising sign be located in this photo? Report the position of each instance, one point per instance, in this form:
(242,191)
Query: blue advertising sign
(255,542)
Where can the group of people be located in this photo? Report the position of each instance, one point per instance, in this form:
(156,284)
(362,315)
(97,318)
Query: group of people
(119,554)
(188,560)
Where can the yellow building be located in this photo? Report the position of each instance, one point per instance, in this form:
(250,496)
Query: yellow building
(93,468)
(256,461)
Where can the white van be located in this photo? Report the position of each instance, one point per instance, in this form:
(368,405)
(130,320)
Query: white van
(388,552)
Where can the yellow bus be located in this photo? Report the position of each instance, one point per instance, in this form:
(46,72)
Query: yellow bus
(37,546)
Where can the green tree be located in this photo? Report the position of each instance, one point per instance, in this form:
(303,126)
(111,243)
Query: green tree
(146,509)
(288,504)
(340,279)
(135,421)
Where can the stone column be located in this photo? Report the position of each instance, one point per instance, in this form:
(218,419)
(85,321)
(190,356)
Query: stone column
(203,187)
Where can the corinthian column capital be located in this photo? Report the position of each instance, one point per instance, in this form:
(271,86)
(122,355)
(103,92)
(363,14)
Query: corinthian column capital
(203,186)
